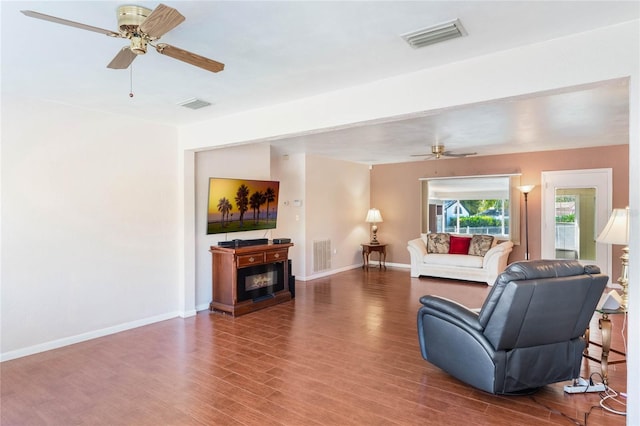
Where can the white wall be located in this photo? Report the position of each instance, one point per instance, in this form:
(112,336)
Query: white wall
(89,225)
(322,198)
(241,162)
(633,351)
(290,171)
(337,200)
(319,198)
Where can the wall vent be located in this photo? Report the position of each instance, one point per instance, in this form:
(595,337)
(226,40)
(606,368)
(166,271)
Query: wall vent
(321,255)
(194,103)
(435,34)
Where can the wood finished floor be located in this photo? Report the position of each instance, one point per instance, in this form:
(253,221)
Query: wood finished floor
(343,352)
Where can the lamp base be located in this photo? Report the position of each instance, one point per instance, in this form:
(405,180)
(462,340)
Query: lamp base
(624,278)
(374,238)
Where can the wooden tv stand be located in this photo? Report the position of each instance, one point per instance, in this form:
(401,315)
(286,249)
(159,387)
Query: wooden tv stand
(225,263)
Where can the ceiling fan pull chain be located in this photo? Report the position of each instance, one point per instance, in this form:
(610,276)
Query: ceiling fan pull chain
(131,81)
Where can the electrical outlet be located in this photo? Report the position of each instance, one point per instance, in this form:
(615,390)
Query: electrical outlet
(583,386)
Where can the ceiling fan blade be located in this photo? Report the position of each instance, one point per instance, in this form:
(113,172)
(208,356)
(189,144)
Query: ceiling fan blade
(426,156)
(162,20)
(122,60)
(451,154)
(190,58)
(38,15)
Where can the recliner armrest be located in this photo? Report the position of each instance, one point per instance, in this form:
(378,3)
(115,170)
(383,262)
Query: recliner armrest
(451,311)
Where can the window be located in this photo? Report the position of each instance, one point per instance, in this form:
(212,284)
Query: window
(472,205)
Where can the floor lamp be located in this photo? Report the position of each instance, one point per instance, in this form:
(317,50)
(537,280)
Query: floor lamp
(526,189)
(616,231)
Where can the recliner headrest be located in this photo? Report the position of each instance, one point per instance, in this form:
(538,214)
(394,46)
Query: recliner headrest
(530,270)
(534,269)
(508,276)
(592,269)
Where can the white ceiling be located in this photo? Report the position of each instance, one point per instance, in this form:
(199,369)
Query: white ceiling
(281,51)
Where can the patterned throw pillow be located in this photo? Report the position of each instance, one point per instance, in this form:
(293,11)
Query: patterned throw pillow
(480,245)
(459,245)
(438,242)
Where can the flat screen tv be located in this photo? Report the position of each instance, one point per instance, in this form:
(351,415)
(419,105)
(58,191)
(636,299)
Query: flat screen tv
(241,205)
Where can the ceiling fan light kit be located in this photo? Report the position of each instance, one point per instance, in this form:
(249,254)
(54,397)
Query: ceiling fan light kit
(138,45)
(437,150)
(142,27)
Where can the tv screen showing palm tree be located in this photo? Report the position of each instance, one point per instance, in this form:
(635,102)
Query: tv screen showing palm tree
(241,205)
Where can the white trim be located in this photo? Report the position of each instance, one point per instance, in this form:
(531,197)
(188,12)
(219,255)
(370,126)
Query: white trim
(327,273)
(202,307)
(55,344)
(602,180)
(399,265)
(347,268)
(190,313)
(470,176)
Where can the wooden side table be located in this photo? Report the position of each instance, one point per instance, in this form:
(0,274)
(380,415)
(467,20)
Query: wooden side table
(368,248)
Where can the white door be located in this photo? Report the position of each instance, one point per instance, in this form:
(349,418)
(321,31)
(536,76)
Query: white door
(575,207)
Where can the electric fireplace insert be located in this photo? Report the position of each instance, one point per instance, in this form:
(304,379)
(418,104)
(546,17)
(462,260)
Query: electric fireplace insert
(260,281)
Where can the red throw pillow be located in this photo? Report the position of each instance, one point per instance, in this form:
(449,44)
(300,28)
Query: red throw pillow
(459,245)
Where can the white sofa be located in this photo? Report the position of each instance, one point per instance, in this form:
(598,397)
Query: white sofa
(459,266)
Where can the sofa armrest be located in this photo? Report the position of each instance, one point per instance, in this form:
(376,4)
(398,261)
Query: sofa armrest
(495,260)
(417,250)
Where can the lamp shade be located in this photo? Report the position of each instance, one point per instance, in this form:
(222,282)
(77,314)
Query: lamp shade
(616,231)
(525,189)
(373,216)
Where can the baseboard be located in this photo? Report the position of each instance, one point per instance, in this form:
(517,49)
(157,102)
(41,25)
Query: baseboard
(326,273)
(347,268)
(187,314)
(55,344)
(203,307)
(399,265)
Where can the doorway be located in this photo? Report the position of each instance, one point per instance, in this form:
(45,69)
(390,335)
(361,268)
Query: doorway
(575,207)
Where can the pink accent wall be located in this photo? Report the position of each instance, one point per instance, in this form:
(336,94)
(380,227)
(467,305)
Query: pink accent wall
(395,190)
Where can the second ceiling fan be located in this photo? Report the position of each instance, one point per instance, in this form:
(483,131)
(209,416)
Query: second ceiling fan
(438,151)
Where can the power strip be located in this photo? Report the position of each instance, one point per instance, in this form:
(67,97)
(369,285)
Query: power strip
(583,386)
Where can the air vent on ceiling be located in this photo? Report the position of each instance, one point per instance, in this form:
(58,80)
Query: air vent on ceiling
(194,103)
(435,34)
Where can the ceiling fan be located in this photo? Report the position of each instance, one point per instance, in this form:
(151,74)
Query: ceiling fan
(438,151)
(142,27)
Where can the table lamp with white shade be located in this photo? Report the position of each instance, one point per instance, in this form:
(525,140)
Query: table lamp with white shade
(616,231)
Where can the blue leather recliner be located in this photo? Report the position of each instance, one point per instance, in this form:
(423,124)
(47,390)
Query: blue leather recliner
(528,333)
